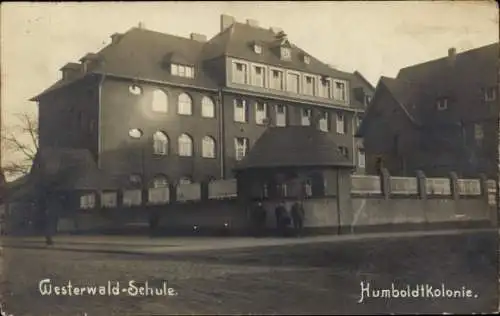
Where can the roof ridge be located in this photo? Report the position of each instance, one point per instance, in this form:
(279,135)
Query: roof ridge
(465,52)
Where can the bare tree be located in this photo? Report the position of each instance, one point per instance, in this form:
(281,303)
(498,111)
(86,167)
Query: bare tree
(20,140)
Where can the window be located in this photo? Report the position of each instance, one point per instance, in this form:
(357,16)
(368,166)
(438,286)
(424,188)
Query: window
(309,85)
(160,143)
(257,49)
(276,79)
(340,123)
(241,147)
(159,193)
(282,190)
(185,146)
(344,151)
(135,89)
(442,104)
(160,101)
(109,199)
(368,99)
(280,115)
(135,133)
(307,59)
(185,180)
(258,76)
(207,107)
(239,73)
(132,197)
(260,113)
(240,110)
(92,126)
(339,92)
(308,188)
(87,201)
(361,158)
(478,132)
(189,72)
(160,181)
(208,147)
(81,120)
(286,53)
(326,88)
(135,180)
(323,122)
(359,120)
(306,117)
(182,71)
(185,104)
(490,94)
(292,83)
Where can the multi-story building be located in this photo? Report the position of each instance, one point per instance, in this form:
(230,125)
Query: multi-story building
(439,116)
(156,108)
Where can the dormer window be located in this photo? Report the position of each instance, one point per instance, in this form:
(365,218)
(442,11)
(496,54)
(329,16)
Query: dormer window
(182,70)
(442,104)
(307,59)
(490,94)
(286,53)
(257,48)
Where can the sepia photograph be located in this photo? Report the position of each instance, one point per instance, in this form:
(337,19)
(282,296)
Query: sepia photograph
(249,158)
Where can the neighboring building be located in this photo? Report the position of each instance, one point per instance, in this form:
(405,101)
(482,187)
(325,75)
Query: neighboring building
(438,117)
(158,109)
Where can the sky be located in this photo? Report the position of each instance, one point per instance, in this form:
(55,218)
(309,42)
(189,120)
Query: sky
(375,38)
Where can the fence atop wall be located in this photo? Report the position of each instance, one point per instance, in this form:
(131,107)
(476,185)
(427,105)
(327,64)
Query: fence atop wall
(365,185)
(423,187)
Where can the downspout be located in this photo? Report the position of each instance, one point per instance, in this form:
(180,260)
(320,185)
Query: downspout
(354,147)
(222,140)
(99,144)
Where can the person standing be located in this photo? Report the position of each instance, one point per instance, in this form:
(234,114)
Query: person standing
(282,218)
(261,219)
(298,215)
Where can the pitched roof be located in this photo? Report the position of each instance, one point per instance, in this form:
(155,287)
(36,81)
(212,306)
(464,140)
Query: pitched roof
(237,40)
(140,55)
(463,78)
(70,169)
(294,146)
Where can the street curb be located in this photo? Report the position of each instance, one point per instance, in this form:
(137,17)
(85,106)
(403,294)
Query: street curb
(286,242)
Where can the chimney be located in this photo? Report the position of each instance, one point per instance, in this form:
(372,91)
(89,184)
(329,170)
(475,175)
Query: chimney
(87,61)
(253,23)
(452,55)
(198,37)
(71,71)
(141,25)
(116,37)
(276,30)
(226,21)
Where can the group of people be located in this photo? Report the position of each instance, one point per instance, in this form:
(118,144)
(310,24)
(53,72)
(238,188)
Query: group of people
(284,219)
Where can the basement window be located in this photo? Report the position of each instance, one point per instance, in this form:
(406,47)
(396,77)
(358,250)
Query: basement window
(442,104)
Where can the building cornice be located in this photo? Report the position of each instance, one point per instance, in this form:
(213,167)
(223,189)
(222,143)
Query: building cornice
(145,80)
(282,98)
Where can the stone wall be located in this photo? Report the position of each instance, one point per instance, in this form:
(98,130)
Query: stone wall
(374,203)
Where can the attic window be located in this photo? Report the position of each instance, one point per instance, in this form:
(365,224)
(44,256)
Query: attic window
(442,104)
(490,94)
(135,89)
(307,59)
(182,70)
(257,49)
(286,53)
